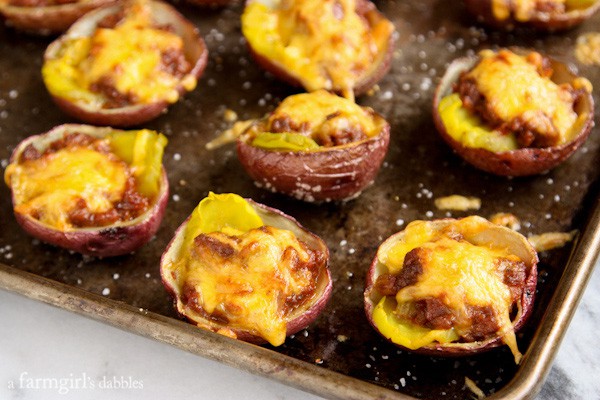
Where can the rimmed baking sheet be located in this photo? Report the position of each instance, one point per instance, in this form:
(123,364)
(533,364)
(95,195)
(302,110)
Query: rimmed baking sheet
(339,356)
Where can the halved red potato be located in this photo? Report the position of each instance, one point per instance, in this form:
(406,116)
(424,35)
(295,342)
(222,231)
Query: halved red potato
(343,46)
(124,64)
(452,287)
(546,15)
(315,147)
(246,271)
(95,191)
(46,17)
(499,149)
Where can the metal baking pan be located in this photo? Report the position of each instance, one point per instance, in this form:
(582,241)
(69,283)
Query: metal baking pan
(339,356)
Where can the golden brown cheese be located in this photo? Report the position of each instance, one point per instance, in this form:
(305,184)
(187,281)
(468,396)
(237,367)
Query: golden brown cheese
(523,9)
(324,42)
(316,112)
(247,279)
(513,88)
(128,56)
(51,186)
(462,274)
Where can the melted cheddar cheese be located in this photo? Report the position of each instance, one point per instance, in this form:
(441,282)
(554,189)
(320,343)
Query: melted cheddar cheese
(523,10)
(324,43)
(461,273)
(234,273)
(314,116)
(94,176)
(249,287)
(49,187)
(128,56)
(317,108)
(513,88)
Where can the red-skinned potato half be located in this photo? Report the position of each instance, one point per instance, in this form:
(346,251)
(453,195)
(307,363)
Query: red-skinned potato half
(452,287)
(547,15)
(47,16)
(483,108)
(246,271)
(315,147)
(96,191)
(145,57)
(349,43)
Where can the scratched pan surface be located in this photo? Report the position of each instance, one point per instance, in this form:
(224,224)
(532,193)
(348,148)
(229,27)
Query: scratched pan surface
(418,168)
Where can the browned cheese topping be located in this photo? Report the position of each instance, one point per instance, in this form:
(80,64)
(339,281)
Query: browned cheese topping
(99,189)
(254,281)
(515,94)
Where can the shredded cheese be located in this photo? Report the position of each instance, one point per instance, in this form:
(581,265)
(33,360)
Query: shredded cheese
(50,186)
(128,56)
(326,44)
(514,88)
(248,287)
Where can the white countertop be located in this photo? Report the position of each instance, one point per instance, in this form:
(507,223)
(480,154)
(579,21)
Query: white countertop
(41,345)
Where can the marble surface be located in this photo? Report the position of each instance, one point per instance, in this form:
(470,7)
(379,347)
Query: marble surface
(42,347)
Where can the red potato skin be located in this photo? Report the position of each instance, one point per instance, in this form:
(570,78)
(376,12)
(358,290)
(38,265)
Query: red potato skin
(294,325)
(366,82)
(51,19)
(527,301)
(107,241)
(337,173)
(520,162)
(482,10)
(195,50)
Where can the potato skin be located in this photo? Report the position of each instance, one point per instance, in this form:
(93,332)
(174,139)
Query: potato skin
(49,19)
(482,10)
(106,241)
(195,50)
(519,162)
(336,173)
(299,320)
(527,299)
(366,82)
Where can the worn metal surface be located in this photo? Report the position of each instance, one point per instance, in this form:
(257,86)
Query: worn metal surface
(339,356)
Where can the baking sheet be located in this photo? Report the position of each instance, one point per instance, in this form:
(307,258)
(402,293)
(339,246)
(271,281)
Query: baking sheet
(339,356)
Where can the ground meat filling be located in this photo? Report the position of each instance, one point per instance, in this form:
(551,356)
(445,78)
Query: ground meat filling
(433,313)
(532,128)
(131,205)
(390,284)
(336,130)
(483,324)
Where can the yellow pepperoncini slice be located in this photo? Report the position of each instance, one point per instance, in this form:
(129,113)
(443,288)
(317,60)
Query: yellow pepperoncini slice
(403,332)
(284,141)
(228,213)
(143,151)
